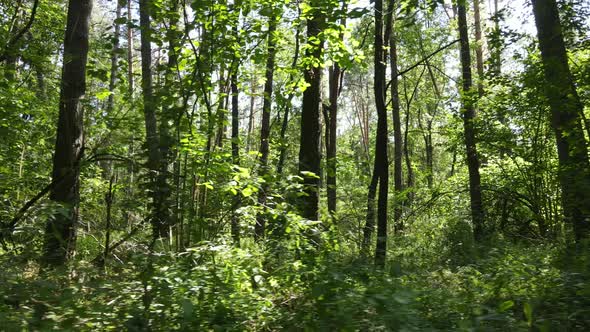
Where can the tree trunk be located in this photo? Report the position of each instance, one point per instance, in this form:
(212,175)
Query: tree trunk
(335,86)
(251,113)
(235,147)
(158,215)
(309,150)
(468,113)
(60,231)
(478,48)
(287,109)
(496,56)
(259,229)
(170,110)
(574,168)
(370,222)
(129,49)
(381,162)
(334,75)
(397,126)
(114,58)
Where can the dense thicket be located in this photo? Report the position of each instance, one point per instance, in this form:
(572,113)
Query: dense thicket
(225,165)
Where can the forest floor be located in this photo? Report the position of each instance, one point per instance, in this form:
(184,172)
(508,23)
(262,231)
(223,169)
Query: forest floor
(217,287)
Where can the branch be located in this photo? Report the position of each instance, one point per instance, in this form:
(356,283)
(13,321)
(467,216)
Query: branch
(24,30)
(21,212)
(402,72)
(99,259)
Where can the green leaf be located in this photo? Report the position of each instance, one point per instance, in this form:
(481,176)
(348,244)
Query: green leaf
(247,192)
(104,94)
(506,305)
(528,313)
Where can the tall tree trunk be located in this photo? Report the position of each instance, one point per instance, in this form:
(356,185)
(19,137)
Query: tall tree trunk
(107,164)
(574,168)
(334,75)
(370,221)
(157,218)
(287,108)
(309,149)
(60,231)
(397,126)
(114,59)
(468,113)
(235,147)
(129,49)
(496,56)
(170,109)
(478,48)
(335,84)
(251,113)
(263,172)
(381,161)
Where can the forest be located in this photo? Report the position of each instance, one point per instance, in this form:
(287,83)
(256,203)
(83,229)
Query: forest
(298,165)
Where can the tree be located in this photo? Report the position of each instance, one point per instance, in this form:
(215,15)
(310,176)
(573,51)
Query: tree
(309,149)
(60,230)
(390,36)
(468,114)
(381,164)
(259,229)
(335,74)
(565,105)
(158,216)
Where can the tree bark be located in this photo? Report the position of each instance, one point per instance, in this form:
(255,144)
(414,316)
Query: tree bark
(381,161)
(170,110)
(335,74)
(129,49)
(287,108)
(468,113)
(496,56)
(263,172)
(478,48)
(309,150)
(60,230)
(114,59)
(251,113)
(381,164)
(235,146)
(397,127)
(158,218)
(574,168)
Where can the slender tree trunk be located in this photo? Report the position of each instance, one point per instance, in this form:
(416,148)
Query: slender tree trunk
(381,161)
(129,49)
(335,86)
(221,112)
(235,147)
(309,150)
(397,126)
(496,57)
(109,202)
(370,222)
(251,114)
(331,127)
(263,172)
(157,218)
(114,59)
(287,109)
(574,168)
(60,231)
(478,48)
(170,110)
(468,113)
